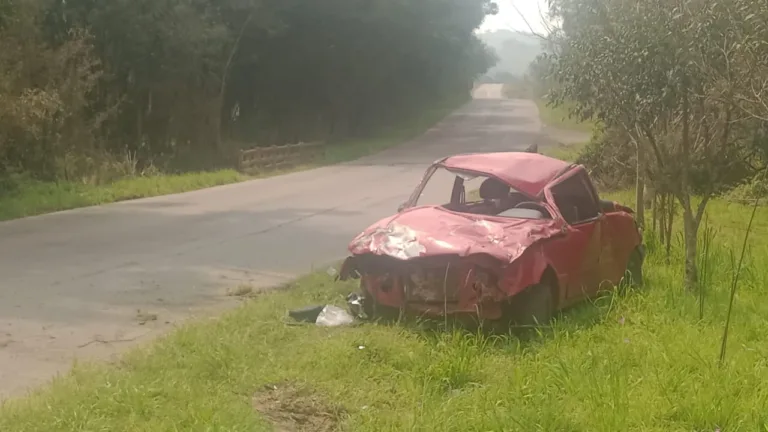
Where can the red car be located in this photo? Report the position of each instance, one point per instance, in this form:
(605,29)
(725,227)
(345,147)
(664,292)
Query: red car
(505,236)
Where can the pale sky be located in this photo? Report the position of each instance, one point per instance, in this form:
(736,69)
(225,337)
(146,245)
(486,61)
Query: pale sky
(508,18)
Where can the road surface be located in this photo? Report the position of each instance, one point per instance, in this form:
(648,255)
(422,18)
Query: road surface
(72,283)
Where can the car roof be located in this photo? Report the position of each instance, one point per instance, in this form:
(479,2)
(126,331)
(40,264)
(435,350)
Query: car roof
(529,173)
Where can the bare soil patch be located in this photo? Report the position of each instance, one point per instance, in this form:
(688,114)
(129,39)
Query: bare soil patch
(294,408)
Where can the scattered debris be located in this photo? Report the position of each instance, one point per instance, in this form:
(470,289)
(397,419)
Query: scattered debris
(332,272)
(333,316)
(324,316)
(355,304)
(293,409)
(308,314)
(145,317)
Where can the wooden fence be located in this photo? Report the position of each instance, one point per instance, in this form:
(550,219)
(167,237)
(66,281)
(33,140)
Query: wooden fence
(273,158)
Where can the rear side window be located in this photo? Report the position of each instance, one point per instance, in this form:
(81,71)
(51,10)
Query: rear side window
(575,200)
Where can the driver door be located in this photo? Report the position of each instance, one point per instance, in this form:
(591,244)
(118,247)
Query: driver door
(579,250)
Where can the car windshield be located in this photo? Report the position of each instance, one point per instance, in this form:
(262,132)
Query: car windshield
(477,194)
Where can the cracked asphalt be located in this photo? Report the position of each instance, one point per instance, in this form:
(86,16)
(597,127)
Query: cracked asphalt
(88,283)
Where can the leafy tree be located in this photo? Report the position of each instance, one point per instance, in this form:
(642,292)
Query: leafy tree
(665,74)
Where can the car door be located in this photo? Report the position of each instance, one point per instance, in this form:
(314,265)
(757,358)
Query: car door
(580,248)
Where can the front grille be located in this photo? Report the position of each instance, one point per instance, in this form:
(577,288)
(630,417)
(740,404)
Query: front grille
(433,284)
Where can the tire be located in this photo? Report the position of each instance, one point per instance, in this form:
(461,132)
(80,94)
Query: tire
(633,276)
(531,308)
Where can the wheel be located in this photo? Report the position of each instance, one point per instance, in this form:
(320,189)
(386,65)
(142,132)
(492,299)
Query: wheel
(633,276)
(532,307)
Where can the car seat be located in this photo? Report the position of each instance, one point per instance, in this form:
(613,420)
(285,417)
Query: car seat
(495,194)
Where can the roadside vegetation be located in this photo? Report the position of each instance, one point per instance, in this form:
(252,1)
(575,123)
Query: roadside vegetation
(131,99)
(22,195)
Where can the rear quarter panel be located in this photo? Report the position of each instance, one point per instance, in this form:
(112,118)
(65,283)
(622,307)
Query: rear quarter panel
(621,238)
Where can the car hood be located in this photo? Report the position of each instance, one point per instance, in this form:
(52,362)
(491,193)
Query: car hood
(430,231)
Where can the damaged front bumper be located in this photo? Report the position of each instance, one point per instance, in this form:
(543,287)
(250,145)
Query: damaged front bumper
(432,286)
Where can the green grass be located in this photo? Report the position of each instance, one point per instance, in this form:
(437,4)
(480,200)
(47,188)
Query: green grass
(565,152)
(558,117)
(642,361)
(24,197)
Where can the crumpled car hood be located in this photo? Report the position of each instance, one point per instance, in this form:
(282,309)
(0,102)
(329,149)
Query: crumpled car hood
(429,231)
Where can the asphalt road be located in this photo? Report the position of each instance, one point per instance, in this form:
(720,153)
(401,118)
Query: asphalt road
(72,283)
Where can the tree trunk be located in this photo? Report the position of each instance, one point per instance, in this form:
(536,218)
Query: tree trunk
(670,215)
(655,214)
(691,227)
(640,187)
(219,103)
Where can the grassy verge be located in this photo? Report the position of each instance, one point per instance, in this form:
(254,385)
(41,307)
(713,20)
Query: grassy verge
(24,197)
(29,197)
(643,361)
(565,152)
(558,117)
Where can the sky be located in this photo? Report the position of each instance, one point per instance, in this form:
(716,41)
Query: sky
(508,18)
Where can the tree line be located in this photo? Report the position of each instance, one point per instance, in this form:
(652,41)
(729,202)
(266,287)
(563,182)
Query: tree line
(681,91)
(88,86)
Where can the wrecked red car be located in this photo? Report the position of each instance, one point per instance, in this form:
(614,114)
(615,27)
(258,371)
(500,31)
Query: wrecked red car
(499,236)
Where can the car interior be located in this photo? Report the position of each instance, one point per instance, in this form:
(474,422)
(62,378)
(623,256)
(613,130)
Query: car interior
(496,199)
(575,200)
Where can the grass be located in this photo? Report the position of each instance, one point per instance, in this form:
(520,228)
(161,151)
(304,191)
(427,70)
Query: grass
(558,117)
(642,361)
(21,197)
(29,197)
(565,152)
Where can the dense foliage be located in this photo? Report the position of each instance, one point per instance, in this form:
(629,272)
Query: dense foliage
(88,86)
(682,85)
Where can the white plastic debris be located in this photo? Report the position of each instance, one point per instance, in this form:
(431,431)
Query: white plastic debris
(332,272)
(333,316)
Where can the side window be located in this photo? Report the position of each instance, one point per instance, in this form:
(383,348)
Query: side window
(575,200)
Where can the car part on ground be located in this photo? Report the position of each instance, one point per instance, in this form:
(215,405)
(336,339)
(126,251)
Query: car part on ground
(323,316)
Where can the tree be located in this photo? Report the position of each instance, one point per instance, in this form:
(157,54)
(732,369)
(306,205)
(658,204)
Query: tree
(665,75)
(184,83)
